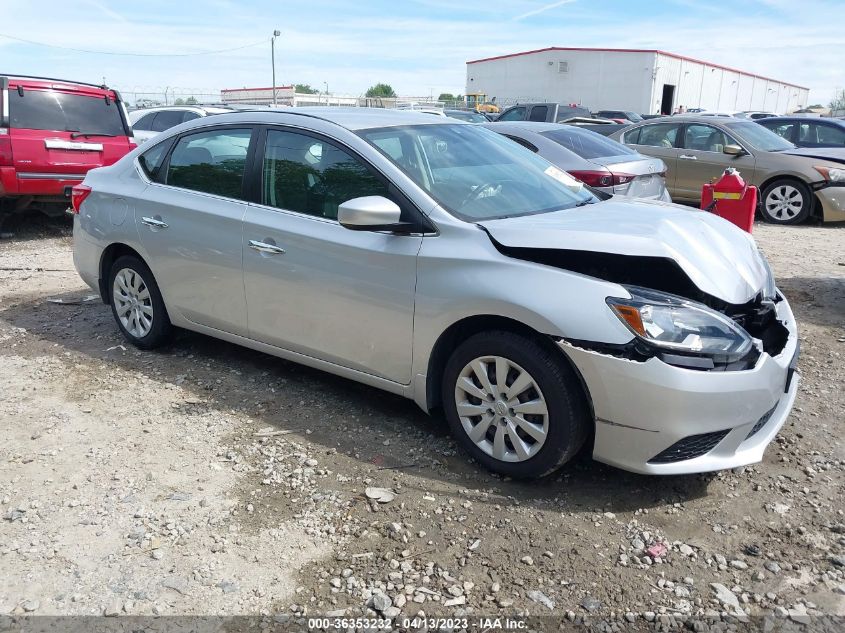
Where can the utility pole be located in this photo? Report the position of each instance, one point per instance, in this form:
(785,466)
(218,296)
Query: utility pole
(325,83)
(276,34)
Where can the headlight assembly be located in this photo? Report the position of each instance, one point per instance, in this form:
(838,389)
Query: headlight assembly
(676,324)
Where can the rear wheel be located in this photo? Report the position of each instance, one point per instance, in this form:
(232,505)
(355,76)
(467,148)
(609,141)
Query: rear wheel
(514,404)
(786,201)
(136,303)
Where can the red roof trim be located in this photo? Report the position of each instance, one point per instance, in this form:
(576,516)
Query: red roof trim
(636,50)
(267,88)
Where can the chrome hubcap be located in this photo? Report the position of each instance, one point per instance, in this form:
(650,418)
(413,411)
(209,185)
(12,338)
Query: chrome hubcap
(784,202)
(502,409)
(133,303)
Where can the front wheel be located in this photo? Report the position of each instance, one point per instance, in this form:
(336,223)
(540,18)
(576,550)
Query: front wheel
(786,201)
(136,303)
(516,406)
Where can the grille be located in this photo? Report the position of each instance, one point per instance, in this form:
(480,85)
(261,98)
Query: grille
(761,422)
(689,448)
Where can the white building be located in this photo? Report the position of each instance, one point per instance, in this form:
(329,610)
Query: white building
(644,81)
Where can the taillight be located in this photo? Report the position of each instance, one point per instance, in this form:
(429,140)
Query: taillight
(5,148)
(593,178)
(622,179)
(77,196)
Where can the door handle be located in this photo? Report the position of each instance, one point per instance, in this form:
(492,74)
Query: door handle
(152,222)
(688,157)
(264,247)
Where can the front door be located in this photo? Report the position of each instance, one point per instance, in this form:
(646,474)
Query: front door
(702,159)
(313,286)
(190,223)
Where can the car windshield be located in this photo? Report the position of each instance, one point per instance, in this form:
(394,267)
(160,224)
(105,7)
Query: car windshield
(62,111)
(759,137)
(476,174)
(587,144)
(633,117)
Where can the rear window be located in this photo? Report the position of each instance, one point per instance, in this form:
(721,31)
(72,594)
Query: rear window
(587,144)
(569,112)
(66,112)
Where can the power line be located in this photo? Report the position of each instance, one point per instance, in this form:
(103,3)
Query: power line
(83,50)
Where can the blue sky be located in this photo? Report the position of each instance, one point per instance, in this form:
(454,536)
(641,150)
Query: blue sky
(418,46)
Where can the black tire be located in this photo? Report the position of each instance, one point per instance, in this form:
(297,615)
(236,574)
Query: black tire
(775,215)
(161,330)
(568,413)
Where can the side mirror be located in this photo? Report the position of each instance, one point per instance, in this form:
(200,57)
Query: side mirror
(733,150)
(370,213)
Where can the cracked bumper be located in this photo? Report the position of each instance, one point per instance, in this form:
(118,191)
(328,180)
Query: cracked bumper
(643,408)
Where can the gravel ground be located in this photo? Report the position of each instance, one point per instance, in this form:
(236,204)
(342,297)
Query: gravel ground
(209,479)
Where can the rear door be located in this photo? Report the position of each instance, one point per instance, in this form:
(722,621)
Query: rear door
(58,133)
(659,141)
(701,159)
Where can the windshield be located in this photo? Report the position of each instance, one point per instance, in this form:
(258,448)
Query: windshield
(633,117)
(476,174)
(62,111)
(586,143)
(759,137)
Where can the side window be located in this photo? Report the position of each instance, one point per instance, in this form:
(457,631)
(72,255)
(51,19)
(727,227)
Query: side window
(166,119)
(189,116)
(632,137)
(308,175)
(211,162)
(152,159)
(539,113)
(145,122)
(523,142)
(706,138)
(784,130)
(514,114)
(831,135)
(658,135)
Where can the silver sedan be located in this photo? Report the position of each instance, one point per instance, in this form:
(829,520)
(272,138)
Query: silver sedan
(437,260)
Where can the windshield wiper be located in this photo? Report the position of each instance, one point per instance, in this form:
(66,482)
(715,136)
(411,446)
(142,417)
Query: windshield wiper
(585,203)
(89,134)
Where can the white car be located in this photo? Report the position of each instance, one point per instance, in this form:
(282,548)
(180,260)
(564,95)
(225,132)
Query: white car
(149,122)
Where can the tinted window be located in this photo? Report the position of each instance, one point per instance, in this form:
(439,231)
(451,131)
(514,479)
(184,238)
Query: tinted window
(61,111)
(657,135)
(539,113)
(166,119)
(781,129)
(706,138)
(815,134)
(308,175)
(567,112)
(189,116)
(145,122)
(515,114)
(152,159)
(212,162)
(523,142)
(587,144)
(632,137)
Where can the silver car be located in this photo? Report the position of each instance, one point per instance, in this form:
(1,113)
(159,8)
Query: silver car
(437,260)
(595,160)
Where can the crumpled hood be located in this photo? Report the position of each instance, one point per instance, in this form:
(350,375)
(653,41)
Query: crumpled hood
(718,257)
(830,154)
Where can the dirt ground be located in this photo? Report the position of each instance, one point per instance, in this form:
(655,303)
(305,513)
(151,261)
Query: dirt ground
(209,479)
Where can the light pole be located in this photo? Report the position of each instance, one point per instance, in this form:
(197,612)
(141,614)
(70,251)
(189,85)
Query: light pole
(276,34)
(326,84)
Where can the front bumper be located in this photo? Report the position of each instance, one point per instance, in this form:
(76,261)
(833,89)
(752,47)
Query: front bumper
(833,203)
(644,408)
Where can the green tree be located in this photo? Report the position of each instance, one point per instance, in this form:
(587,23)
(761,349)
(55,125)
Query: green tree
(815,106)
(179,101)
(838,101)
(380,90)
(305,89)
(191,101)
(448,96)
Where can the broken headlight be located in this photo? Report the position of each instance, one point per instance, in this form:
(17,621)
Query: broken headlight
(676,324)
(769,290)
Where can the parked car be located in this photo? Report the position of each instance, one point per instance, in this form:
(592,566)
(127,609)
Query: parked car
(754,115)
(52,131)
(437,260)
(794,183)
(807,132)
(470,116)
(151,121)
(592,158)
(619,116)
(549,112)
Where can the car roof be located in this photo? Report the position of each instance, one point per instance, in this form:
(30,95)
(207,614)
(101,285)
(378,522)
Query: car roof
(25,81)
(179,108)
(802,119)
(351,118)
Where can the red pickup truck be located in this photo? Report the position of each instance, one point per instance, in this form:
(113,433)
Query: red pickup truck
(51,133)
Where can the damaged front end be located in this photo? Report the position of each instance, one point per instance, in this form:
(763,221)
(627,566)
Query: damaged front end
(669,317)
